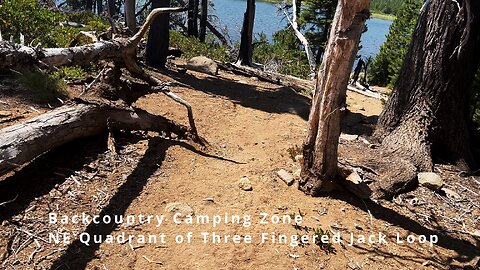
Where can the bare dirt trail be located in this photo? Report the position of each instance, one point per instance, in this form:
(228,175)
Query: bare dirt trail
(250,126)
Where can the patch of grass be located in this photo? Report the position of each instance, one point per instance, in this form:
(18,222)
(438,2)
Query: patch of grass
(294,151)
(43,87)
(327,247)
(75,72)
(383,16)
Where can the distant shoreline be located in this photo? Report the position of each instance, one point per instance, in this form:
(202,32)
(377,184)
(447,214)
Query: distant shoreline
(376,15)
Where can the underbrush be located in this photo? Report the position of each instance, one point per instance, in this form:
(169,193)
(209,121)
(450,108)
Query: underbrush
(41,26)
(191,47)
(44,87)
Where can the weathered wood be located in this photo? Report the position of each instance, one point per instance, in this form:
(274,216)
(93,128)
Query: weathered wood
(319,168)
(21,143)
(246,49)
(122,51)
(297,84)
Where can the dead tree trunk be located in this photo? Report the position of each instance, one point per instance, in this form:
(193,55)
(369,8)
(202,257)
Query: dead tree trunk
(21,143)
(121,51)
(426,115)
(246,48)
(203,21)
(130,15)
(193,18)
(319,168)
(158,37)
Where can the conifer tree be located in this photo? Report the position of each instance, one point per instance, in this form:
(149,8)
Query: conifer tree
(386,66)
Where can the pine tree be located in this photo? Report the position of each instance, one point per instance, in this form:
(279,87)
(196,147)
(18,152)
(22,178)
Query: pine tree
(386,66)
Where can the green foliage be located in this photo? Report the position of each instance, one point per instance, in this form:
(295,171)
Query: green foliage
(386,66)
(316,18)
(39,25)
(283,55)
(74,72)
(192,46)
(475,100)
(44,87)
(322,234)
(28,18)
(386,6)
(294,151)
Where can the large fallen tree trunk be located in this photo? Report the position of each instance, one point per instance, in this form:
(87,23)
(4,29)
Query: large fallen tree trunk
(21,143)
(297,84)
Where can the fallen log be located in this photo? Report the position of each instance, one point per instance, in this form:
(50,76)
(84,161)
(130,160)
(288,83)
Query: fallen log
(122,51)
(297,84)
(21,143)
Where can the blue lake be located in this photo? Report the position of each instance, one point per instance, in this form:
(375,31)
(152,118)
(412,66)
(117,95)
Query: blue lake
(269,20)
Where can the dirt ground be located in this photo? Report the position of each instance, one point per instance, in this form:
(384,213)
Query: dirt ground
(250,126)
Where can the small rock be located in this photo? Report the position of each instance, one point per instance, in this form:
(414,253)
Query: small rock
(203,64)
(285,176)
(354,178)
(358,227)
(179,207)
(348,137)
(5,113)
(299,158)
(296,174)
(245,184)
(254,78)
(451,194)
(430,180)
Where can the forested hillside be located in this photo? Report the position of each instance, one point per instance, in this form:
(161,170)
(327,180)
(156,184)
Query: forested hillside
(386,6)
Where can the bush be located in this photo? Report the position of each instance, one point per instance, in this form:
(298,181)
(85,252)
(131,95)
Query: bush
(44,87)
(191,46)
(283,55)
(39,25)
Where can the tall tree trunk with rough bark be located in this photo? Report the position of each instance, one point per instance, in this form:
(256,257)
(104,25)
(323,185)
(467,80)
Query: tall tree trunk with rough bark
(99,7)
(319,168)
(203,21)
(111,8)
(192,24)
(246,48)
(426,115)
(89,5)
(130,15)
(158,37)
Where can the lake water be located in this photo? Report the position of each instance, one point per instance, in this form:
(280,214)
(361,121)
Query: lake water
(268,20)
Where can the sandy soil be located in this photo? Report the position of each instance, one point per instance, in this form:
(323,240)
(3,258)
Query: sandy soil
(250,126)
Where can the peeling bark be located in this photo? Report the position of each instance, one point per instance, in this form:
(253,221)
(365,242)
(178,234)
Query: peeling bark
(319,168)
(21,143)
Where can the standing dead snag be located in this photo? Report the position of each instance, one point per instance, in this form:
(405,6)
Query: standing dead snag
(319,168)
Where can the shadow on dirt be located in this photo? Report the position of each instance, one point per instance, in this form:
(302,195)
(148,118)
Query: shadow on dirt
(280,100)
(43,174)
(465,251)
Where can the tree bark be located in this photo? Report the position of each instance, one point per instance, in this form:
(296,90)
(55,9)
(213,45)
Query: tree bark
(246,49)
(130,15)
(111,8)
(21,143)
(319,168)
(193,18)
(203,21)
(158,37)
(99,7)
(89,5)
(426,115)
